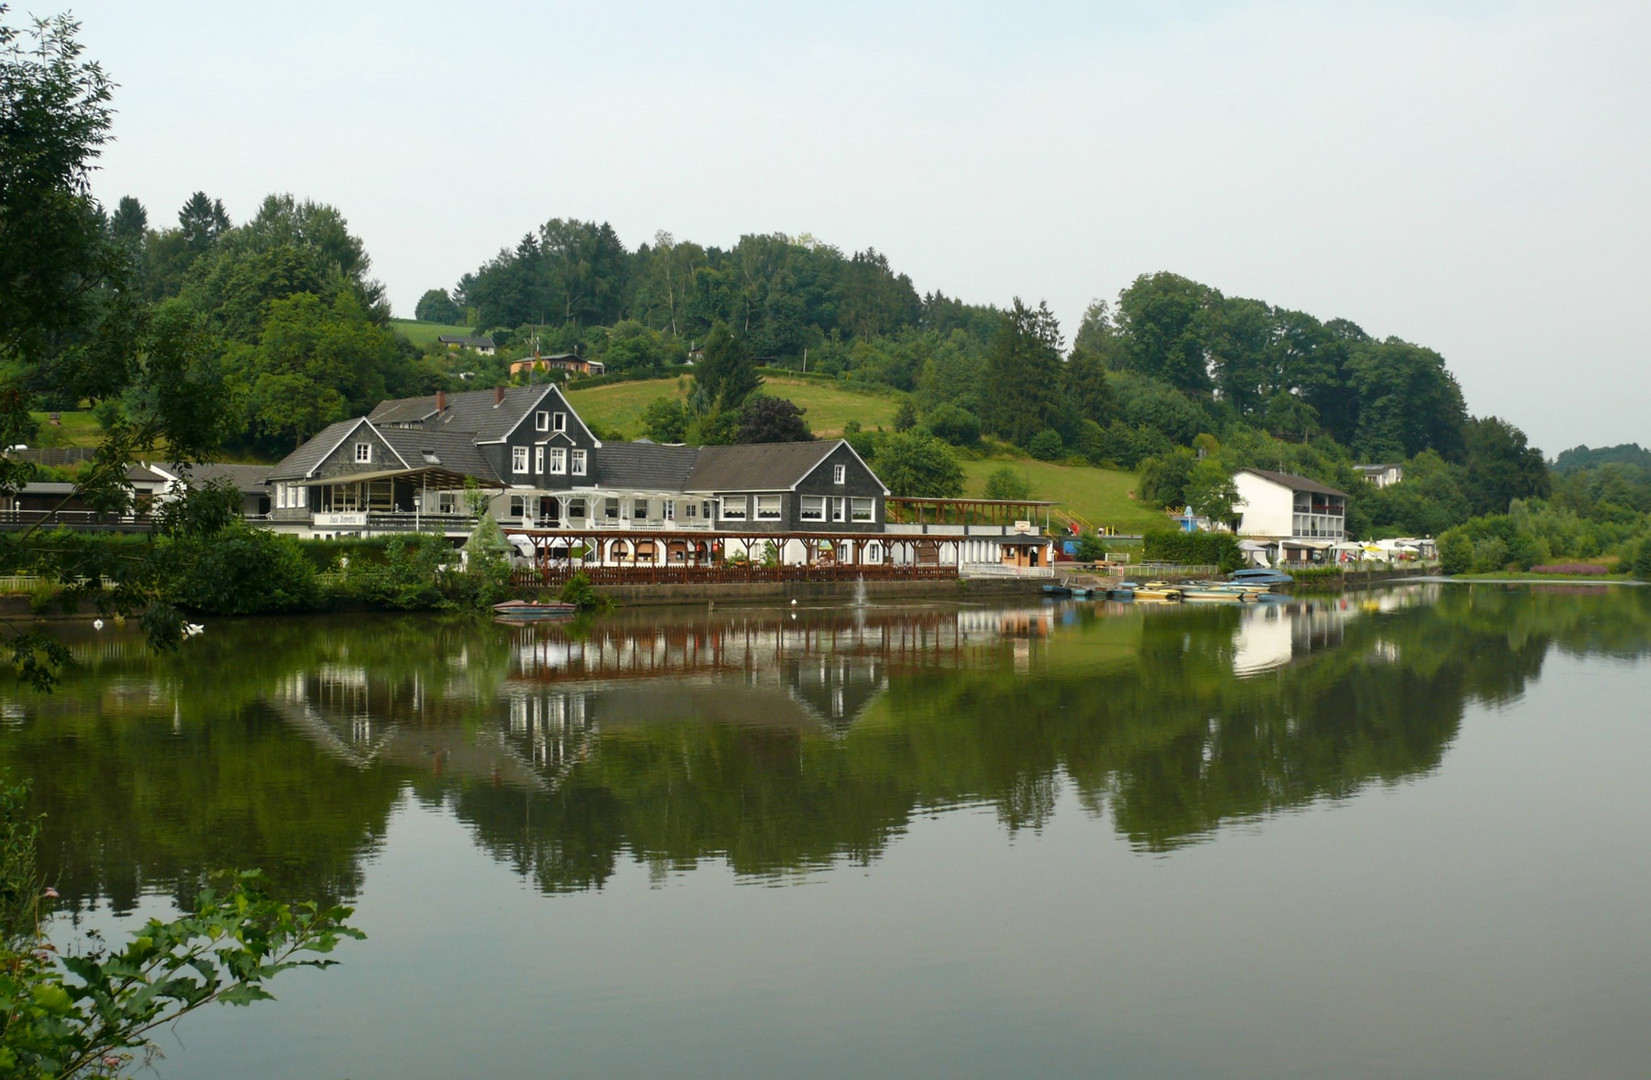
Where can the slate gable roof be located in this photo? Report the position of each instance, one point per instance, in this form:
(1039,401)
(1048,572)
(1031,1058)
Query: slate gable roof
(472,412)
(1295,483)
(298,464)
(452,451)
(757,466)
(644,466)
(248,479)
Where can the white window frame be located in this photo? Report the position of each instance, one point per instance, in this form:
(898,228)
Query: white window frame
(578,508)
(539,460)
(770,508)
(731,502)
(858,503)
(363,453)
(559,422)
(518,459)
(839,474)
(558,460)
(839,508)
(612,506)
(518,506)
(690,510)
(541,420)
(579,459)
(813,508)
(447,502)
(639,509)
(670,509)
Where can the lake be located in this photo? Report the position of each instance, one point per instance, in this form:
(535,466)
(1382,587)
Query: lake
(1395,833)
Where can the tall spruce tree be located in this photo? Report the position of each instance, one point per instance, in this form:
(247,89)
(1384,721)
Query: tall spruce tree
(1026,390)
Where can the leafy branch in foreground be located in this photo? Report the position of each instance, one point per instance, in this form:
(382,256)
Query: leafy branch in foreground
(91,1014)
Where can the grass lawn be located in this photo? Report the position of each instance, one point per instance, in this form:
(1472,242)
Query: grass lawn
(425,333)
(76,429)
(620,405)
(1101,496)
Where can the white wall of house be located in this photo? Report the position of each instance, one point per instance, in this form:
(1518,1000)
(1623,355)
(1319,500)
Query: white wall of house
(1267,507)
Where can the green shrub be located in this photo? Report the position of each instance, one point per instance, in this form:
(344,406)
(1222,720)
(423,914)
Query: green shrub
(1046,445)
(246,571)
(41,596)
(1490,555)
(1455,552)
(1091,548)
(409,579)
(580,594)
(1193,549)
(1008,483)
(1164,478)
(1642,561)
(954,424)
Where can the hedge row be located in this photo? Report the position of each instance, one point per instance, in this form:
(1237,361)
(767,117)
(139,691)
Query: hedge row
(1193,549)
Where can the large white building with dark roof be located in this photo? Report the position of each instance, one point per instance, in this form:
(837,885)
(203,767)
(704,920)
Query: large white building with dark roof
(410,459)
(1294,516)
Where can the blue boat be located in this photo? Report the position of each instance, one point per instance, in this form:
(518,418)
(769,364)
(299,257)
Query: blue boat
(1259,575)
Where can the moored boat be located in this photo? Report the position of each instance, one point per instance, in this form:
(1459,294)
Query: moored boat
(534,610)
(1157,590)
(1259,575)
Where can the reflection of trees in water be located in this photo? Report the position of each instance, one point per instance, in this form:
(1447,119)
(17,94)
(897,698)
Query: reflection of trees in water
(155,770)
(773,744)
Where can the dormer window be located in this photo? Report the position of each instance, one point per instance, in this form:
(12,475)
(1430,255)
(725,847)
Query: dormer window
(363,453)
(839,474)
(541,421)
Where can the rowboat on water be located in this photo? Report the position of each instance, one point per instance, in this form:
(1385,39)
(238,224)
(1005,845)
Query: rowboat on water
(1157,590)
(1221,591)
(534,610)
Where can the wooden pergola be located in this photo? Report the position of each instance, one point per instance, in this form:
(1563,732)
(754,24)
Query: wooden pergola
(966,511)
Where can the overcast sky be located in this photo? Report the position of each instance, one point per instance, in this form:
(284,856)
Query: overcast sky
(1472,177)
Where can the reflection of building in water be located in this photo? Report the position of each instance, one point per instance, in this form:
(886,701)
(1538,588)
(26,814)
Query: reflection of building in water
(1265,640)
(829,666)
(1271,635)
(369,721)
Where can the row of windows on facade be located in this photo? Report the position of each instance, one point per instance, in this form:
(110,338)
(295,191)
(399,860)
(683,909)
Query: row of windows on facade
(1322,526)
(727,508)
(560,460)
(834,508)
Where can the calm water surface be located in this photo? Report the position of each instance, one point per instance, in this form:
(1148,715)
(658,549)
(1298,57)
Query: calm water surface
(1393,834)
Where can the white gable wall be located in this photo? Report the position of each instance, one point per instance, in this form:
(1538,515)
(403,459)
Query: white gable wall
(1267,507)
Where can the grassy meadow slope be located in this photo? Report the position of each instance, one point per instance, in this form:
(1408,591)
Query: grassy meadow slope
(424,333)
(830,406)
(73,429)
(1100,496)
